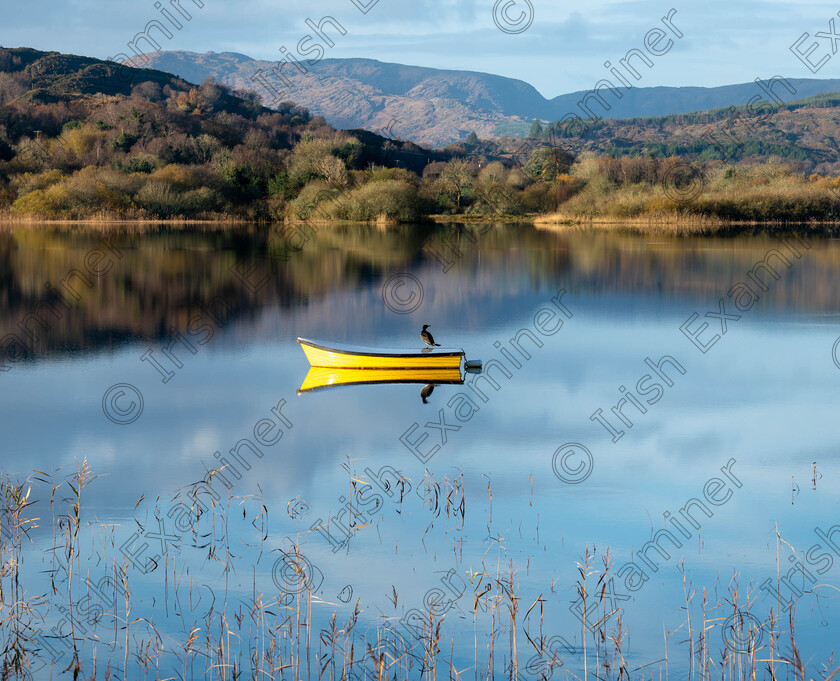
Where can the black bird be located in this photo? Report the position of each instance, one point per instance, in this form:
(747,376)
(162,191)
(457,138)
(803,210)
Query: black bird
(426,392)
(427,337)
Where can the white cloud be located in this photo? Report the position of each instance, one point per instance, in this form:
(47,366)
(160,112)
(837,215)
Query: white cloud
(563,50)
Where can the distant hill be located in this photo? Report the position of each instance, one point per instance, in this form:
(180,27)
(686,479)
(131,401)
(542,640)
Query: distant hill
(426,106)
(436,107)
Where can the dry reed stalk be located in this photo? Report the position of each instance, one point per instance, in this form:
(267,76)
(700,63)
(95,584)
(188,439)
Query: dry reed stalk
(584,571)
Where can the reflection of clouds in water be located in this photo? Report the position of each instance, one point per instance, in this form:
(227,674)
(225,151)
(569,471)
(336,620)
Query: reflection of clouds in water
(203,442)
(92,447)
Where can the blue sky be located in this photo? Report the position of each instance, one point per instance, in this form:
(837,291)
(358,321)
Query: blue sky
(726,41)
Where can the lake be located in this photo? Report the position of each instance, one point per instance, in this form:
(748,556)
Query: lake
(650,453)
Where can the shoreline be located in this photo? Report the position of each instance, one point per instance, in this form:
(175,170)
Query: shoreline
(681,225)
(688,224)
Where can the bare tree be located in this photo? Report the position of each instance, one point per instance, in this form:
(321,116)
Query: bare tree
(456,180)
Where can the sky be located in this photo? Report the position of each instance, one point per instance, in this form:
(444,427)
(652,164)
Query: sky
(562,48)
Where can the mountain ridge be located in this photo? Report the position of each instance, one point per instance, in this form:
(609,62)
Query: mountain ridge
(437,107)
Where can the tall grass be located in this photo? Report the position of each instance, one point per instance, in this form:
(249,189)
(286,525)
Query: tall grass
(274,636)
(760,193)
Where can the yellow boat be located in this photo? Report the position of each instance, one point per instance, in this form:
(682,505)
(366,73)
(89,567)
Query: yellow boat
(336,356)
(319,378)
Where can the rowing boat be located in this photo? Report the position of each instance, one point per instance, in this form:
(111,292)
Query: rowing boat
(320,378)
(336,356)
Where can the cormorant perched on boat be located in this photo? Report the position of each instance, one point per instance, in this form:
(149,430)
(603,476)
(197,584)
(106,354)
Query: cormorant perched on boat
(427,337)
(426,391)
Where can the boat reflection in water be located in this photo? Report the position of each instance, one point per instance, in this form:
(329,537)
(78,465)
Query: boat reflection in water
(343,365)
(320,378)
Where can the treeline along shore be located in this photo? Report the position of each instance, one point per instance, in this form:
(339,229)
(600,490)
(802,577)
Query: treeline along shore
(84,139)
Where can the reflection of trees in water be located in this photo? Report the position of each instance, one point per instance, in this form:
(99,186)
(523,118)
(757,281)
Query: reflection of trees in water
(703,267)
(166,276)
(9,292)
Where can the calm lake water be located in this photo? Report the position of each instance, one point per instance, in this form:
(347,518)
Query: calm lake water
(717,478)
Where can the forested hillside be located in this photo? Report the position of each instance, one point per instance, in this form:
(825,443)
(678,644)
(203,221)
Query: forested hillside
(85,139)
(805,132)
(80,136)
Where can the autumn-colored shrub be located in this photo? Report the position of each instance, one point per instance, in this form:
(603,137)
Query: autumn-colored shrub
(202,200)
(316,201)
(159,199)
(29,182)
(393,199)
(324,158)
(78,196)
(180,177)
(82,141)
(381,173)
(163,200)
(54,202)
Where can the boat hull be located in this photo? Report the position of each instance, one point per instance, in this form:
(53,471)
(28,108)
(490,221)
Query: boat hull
(353,357)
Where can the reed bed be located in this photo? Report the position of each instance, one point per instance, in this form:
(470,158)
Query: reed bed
(279,635)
